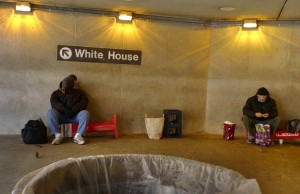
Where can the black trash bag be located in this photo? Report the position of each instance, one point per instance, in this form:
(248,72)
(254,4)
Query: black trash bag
(293,126)
(34,132)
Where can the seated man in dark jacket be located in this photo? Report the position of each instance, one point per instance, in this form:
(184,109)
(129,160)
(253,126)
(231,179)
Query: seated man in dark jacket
(68,106)
(260,108)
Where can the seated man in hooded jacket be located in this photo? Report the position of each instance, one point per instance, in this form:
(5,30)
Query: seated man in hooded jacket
(68,106)
(260,108)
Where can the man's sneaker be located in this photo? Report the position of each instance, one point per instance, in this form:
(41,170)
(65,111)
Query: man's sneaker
(58,139)
(79,139)
(250,139)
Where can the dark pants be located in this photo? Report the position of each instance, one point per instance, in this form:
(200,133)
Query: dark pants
(249,123)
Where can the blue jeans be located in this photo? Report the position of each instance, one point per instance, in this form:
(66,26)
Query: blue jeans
(55,119)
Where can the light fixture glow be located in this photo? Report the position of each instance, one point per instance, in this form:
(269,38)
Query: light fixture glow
(125,16)
(250,24)
(23,6)
(227,9)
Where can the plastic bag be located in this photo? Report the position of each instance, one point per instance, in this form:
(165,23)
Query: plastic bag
(293,126)
(148,174)
(262,135)
(229,129)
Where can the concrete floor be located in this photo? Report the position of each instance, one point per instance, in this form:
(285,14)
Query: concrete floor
(276,168)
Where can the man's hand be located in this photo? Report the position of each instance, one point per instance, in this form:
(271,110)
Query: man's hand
(266,115)
(258,115)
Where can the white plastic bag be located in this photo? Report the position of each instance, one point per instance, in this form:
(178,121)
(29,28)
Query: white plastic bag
(154,127)
(149,174)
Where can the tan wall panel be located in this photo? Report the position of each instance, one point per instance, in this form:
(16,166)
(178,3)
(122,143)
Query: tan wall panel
(243,61)
(207,72)
(173,74)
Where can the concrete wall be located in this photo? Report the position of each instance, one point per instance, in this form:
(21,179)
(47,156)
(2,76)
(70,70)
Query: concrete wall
(242,61)
(173,74)
(207,72)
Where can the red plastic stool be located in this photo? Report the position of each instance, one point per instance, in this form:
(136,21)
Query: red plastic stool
(110,126)
(281,134)
(246,135)
(285,134)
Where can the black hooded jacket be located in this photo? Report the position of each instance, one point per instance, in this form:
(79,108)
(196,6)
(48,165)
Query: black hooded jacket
(253,106)
(68,102)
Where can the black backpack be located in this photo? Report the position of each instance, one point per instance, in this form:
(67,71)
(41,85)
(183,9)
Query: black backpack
(34,132)
(293,126)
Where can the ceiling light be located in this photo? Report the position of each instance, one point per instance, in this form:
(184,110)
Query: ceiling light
(227,9)
(23,6)
(250,24)
(125,16)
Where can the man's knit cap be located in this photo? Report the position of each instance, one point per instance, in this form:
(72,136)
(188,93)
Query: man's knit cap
(263,91)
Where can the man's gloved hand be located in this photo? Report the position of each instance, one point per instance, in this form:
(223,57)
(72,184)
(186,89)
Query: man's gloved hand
(68,112)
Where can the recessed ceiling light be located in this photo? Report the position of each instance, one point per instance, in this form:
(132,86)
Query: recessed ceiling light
(250,24)
(227,9)
(125,16)
(23,6)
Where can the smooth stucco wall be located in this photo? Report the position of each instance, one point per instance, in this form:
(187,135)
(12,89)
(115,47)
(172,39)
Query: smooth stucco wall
(207,72)
(242,61)
(173,74)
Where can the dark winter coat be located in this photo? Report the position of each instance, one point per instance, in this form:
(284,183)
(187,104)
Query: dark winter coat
(253,106)
(69,102)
